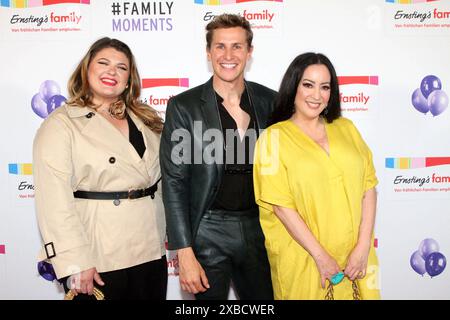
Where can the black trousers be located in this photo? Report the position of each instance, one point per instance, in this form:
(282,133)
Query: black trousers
(147,281)
(230,247)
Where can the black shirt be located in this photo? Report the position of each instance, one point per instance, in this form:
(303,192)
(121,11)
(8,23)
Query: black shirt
(135,137)
(236,189)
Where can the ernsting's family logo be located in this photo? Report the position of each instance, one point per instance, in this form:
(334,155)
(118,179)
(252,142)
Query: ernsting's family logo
(21,180)
(262,14)
(23,18)
(156,92)
(404,16)
(358,93)
(434,182)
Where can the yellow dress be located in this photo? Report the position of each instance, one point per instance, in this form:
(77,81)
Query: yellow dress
(292,171)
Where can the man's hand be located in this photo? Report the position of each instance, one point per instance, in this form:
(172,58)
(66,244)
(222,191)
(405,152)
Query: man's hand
(192,276)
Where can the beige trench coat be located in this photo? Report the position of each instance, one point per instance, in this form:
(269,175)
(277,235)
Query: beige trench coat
(75,150)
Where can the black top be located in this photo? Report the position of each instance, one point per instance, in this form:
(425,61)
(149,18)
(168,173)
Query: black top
(136,138)
(236,189)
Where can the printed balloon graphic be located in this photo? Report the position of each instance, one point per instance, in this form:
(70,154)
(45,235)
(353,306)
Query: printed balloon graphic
(429,84)
(427,247)
(430,96)
(427,259)
(48,89)
(46,270)
(54,102)
(47,99)
(435,264)
(437,102)
(419,101)
(417,263)
(39,106)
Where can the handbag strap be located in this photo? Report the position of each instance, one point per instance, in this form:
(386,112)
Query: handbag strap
(70,295)
(330,291)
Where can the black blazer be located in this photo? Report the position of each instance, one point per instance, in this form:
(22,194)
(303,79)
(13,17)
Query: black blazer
(189,189)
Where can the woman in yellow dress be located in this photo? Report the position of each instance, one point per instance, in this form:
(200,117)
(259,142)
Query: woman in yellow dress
(315,186)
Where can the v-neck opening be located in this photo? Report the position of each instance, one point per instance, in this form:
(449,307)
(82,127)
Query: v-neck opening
(129,143)
(135,137)
(325,152)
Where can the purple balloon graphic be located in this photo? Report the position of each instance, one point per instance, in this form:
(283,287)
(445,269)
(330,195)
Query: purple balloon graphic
(55,102)
(419,102)
(435,263)
(417,263)
(46,270)
(429,84)
(427,247)
(437,102)
(48,89)
(39,106)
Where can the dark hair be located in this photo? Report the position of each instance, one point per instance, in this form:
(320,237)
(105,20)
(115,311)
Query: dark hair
(284,104)
(225,21)
(80,95)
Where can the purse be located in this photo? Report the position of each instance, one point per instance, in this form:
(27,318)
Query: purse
(330,292)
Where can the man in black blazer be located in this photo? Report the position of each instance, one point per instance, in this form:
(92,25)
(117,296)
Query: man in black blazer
(206,163)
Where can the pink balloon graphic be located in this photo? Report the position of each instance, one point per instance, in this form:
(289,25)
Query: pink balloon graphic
(39,106)
(419,101)
(48,89)
(437,102)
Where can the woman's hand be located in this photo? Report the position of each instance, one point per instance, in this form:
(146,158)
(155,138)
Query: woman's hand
(327,267)
(83,282)
(357,262)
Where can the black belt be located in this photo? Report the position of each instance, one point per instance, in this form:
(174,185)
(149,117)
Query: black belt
(132,194)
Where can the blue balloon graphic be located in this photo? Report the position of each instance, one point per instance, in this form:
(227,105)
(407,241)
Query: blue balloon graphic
(55,102)
(46,270)
(429,84)
(435,263)
(417,263)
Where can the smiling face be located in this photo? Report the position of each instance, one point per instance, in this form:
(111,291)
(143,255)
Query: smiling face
(108,74)
(229,53)
(313,92)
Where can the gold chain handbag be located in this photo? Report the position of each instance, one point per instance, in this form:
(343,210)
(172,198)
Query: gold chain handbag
(330,292)
(70,295)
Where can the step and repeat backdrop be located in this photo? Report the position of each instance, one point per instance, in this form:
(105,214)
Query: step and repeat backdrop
(393,62)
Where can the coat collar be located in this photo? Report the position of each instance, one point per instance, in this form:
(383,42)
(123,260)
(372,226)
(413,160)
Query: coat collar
(105,134)
(77,111)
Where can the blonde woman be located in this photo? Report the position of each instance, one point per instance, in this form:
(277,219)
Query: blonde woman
(96,171)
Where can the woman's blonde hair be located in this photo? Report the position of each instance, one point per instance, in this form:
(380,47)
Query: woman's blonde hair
(80,95)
